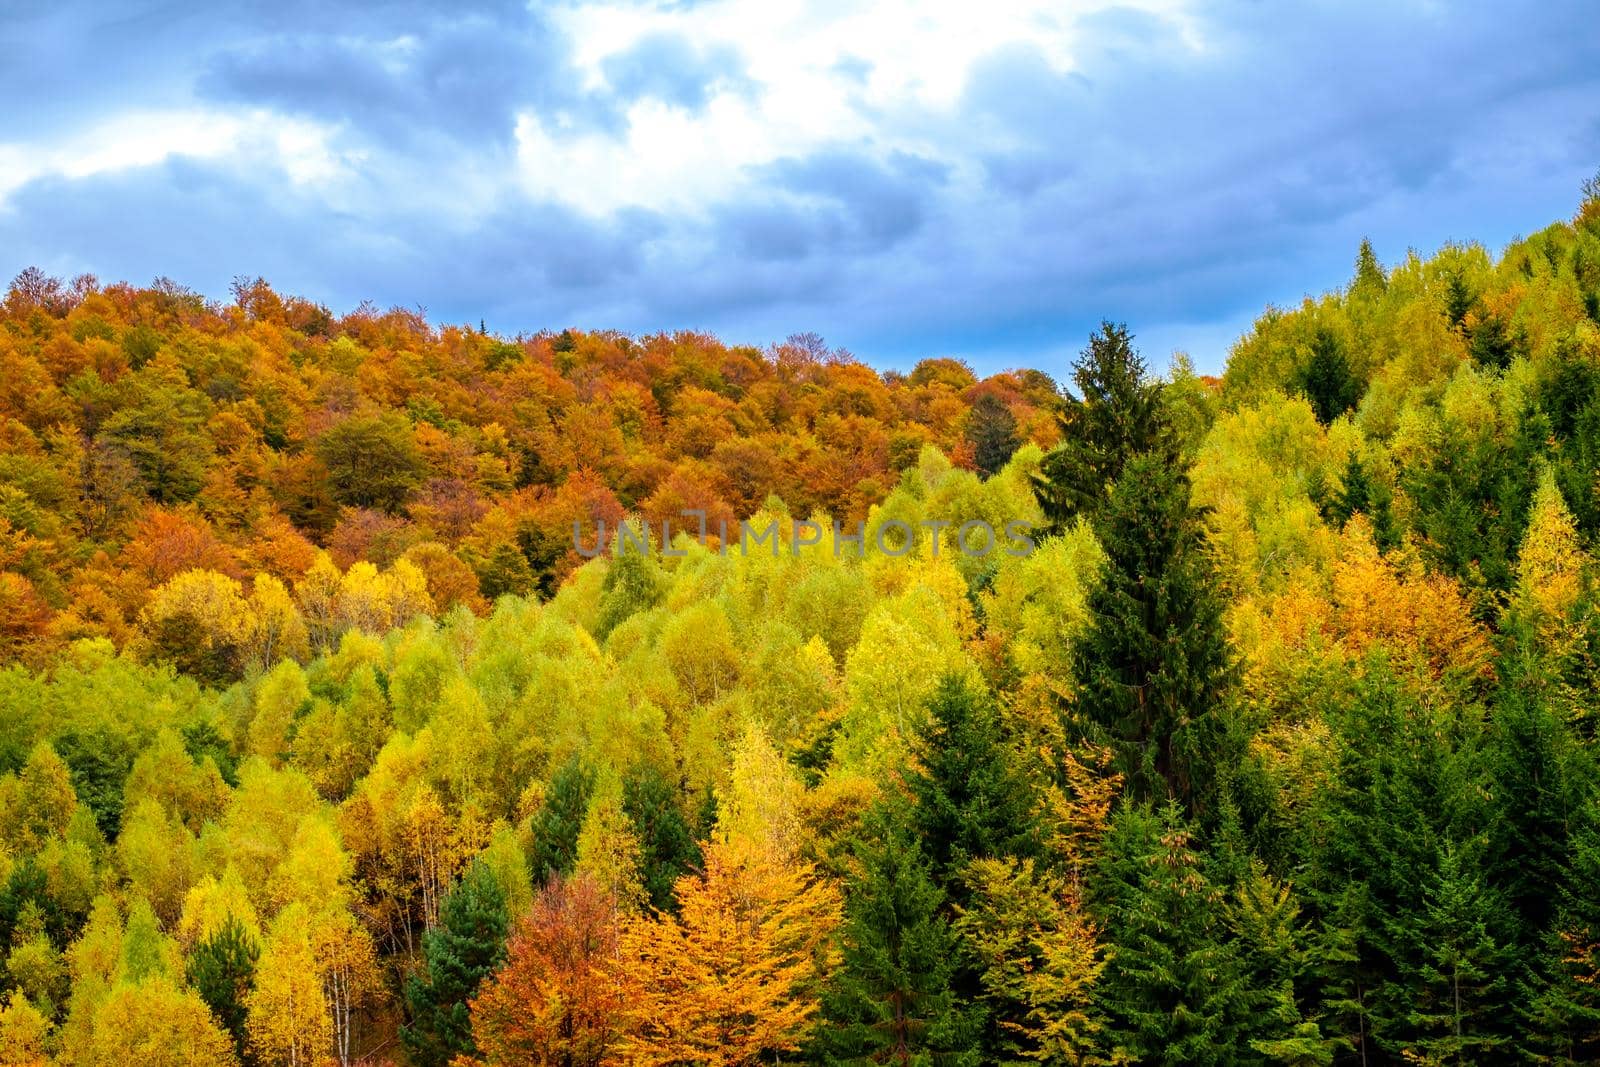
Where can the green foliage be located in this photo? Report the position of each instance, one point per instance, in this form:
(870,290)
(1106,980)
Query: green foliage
(969,799)
(559,821)
(891,998)
(667,849)
(1327,379)
(467,946)
(1176,990)
(992,433)
(222,971)
(1117,414)
(1154,666)
(372,460)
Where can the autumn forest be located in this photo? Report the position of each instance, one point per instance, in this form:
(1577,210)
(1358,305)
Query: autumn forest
(322,742)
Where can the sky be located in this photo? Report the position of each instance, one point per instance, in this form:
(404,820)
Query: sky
(907,178)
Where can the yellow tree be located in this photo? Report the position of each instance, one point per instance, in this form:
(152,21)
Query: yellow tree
(153,1023)
(733,978)
(23,1033)
(348,966)
(1040,957)
(38,803)
(288,1022)
(1550,568)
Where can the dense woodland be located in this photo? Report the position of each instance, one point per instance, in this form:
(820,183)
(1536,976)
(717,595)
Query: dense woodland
(319,743)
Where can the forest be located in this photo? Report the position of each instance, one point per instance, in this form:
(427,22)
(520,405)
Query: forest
(321,742)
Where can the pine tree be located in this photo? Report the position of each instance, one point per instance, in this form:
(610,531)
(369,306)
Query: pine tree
(1154,667)
(1327,380)
(1174,991)
(666,847)
(222,971)
(1356,496)
(1461,1006)
(970,801)
(1370,279)
(1117,414)
(891,999)
(992,433)
(559,822)
(467,946)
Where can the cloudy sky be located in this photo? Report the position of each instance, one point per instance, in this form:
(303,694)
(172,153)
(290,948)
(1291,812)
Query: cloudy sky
(906,177)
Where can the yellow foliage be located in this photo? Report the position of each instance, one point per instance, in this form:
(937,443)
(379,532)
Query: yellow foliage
(734,977)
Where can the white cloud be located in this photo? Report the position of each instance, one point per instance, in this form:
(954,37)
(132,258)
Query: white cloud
(302,150)
(859,73)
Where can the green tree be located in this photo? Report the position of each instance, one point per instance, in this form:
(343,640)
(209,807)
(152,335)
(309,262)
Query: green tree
(222,971)
(1370,279)
(372,460)
(1327,380)
(559,821)
(970,800)
(467,946)
(891,998)
(666,846)
(1154,667)
(1117,414)
(992,432)
(1174,990)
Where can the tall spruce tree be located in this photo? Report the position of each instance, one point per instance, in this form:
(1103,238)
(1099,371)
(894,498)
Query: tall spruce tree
(559,821)
(1154,667)
(467,946)
(969,799)
(666,846)
(891,998)
(1117,414)
(1174,991)
(992,432)
(222,970)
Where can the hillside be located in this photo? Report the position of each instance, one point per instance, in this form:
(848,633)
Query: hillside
(319,739)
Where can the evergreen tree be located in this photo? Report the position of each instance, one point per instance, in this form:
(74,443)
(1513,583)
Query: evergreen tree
(1327,380)
(1561,998)
(1154,667)
(891,1000)
(970,801)
(1117,414)
(1356,496)
(1460,1006)
(992,433)
(666,847)
(1174,991)
(222,971)
(467,946)
(1370,279)
(556,827)
(1401,814)
(1458,299)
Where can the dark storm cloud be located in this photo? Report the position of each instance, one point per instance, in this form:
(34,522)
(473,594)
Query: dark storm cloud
(1175,179)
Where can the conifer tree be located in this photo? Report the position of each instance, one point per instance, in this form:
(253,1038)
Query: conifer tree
(1154,667)
(1327,380)
(467,946)
(1117,414)
(1370,279)
(970,801)
(891,999)
(222,971)
(992,433)
(559,822)
(666,847)
(1174,991)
